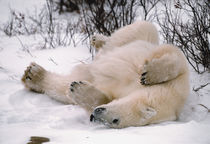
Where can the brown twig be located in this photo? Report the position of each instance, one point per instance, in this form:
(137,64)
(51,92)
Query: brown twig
(200,87)
(205,107)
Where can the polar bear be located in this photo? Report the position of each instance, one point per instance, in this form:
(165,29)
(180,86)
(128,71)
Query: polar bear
(134,84)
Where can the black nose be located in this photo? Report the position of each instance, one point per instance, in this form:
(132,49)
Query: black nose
(97,115)
(92,118)
(99,111)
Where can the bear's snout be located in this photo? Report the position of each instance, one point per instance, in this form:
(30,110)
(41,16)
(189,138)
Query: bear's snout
(97,114)
(101,115)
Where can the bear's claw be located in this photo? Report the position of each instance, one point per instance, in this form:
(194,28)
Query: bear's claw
(76,85)
(86,95)
(143,79)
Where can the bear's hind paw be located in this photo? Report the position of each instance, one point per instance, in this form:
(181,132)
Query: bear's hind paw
(33,76)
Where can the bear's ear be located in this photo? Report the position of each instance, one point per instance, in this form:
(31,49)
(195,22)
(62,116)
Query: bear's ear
(148,112)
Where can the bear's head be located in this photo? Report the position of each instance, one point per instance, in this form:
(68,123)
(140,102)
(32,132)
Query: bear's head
(123,113)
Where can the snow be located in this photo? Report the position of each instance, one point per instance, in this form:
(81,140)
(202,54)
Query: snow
(24,114)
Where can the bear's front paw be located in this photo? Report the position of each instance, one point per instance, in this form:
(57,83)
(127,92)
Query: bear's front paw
(79,90)
(75,87)
(33,76)
(147,77)
(153,72)
(86,95)
(144,78)
(81,93)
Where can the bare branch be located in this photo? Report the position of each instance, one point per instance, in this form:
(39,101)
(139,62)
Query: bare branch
(205,107)
(200,87)
(191,34)
(50,59)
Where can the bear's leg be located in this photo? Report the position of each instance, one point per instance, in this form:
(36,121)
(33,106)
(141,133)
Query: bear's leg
(165,64)
(37,79)
(86,95)
(98,41)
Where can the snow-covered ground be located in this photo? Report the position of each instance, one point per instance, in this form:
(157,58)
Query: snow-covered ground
(24,114)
